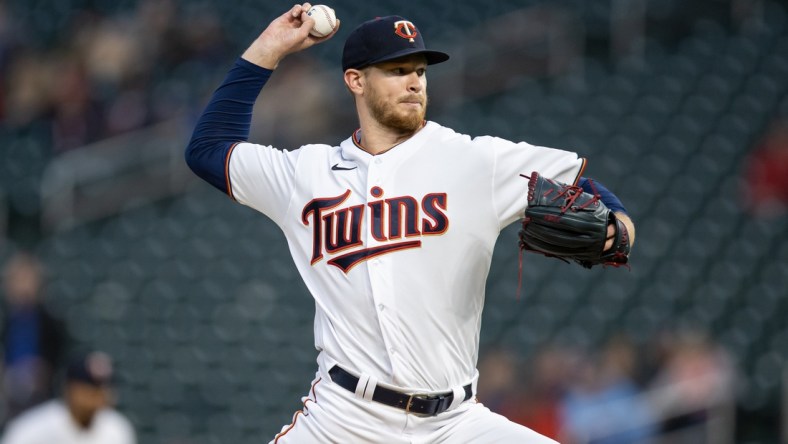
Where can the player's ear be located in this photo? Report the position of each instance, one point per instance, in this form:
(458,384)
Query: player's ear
(354,80)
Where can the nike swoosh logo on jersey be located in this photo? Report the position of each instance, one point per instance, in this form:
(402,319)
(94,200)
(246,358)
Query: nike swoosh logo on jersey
(336,167)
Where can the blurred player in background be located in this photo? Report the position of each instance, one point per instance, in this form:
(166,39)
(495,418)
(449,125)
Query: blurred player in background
(392,232)
(83,416)
(34,340)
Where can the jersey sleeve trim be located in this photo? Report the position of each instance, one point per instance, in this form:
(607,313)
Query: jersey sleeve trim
(225,120)
(580,172)
(228,182)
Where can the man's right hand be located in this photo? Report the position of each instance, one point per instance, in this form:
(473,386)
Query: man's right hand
(285,35)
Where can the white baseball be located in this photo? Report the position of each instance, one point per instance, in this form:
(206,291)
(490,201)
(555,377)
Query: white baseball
(325,20)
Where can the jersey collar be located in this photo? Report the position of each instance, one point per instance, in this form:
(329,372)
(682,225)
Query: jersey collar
(352,150)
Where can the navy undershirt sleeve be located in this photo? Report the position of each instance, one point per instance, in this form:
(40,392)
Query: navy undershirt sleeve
(225,121)
(606,196)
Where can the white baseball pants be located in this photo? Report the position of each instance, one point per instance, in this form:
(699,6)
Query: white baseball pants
(332,414)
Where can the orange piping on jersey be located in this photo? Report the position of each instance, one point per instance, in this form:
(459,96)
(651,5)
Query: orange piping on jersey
(314,395)
(580,173)
(281,434)
(295,415)
(357,137)
(227,171)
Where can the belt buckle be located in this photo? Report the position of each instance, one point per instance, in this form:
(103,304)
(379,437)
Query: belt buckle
(410,401)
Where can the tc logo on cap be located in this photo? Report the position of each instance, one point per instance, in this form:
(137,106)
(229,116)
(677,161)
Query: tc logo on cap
(406,30)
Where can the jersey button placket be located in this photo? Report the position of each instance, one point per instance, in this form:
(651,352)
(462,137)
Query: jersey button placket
(376,266)
(381,293)
(375,178)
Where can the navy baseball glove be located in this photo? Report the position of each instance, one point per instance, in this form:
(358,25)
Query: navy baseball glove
(565,222)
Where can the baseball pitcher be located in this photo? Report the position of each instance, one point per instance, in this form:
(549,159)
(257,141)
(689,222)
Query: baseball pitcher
(393,230)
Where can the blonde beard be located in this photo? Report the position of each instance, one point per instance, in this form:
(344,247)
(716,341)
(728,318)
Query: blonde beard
(387,115)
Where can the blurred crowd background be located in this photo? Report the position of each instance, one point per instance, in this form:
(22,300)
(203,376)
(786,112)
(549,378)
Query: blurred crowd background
(109,243)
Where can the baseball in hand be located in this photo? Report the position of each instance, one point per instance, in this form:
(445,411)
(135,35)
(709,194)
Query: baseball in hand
(325,20)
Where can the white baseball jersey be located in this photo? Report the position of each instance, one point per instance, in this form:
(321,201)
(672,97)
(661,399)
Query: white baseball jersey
(395,248)
(52,423)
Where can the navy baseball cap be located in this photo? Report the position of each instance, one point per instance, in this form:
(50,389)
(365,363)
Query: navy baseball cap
(383,39)
(93,368)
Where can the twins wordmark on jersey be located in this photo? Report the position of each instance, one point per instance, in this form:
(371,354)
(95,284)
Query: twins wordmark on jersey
(396,223)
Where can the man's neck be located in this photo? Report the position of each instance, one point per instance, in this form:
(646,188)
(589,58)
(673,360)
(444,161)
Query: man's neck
(83,421)
(377,139)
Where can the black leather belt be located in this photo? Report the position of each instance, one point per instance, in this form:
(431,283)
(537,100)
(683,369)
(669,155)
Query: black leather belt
(429,405)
